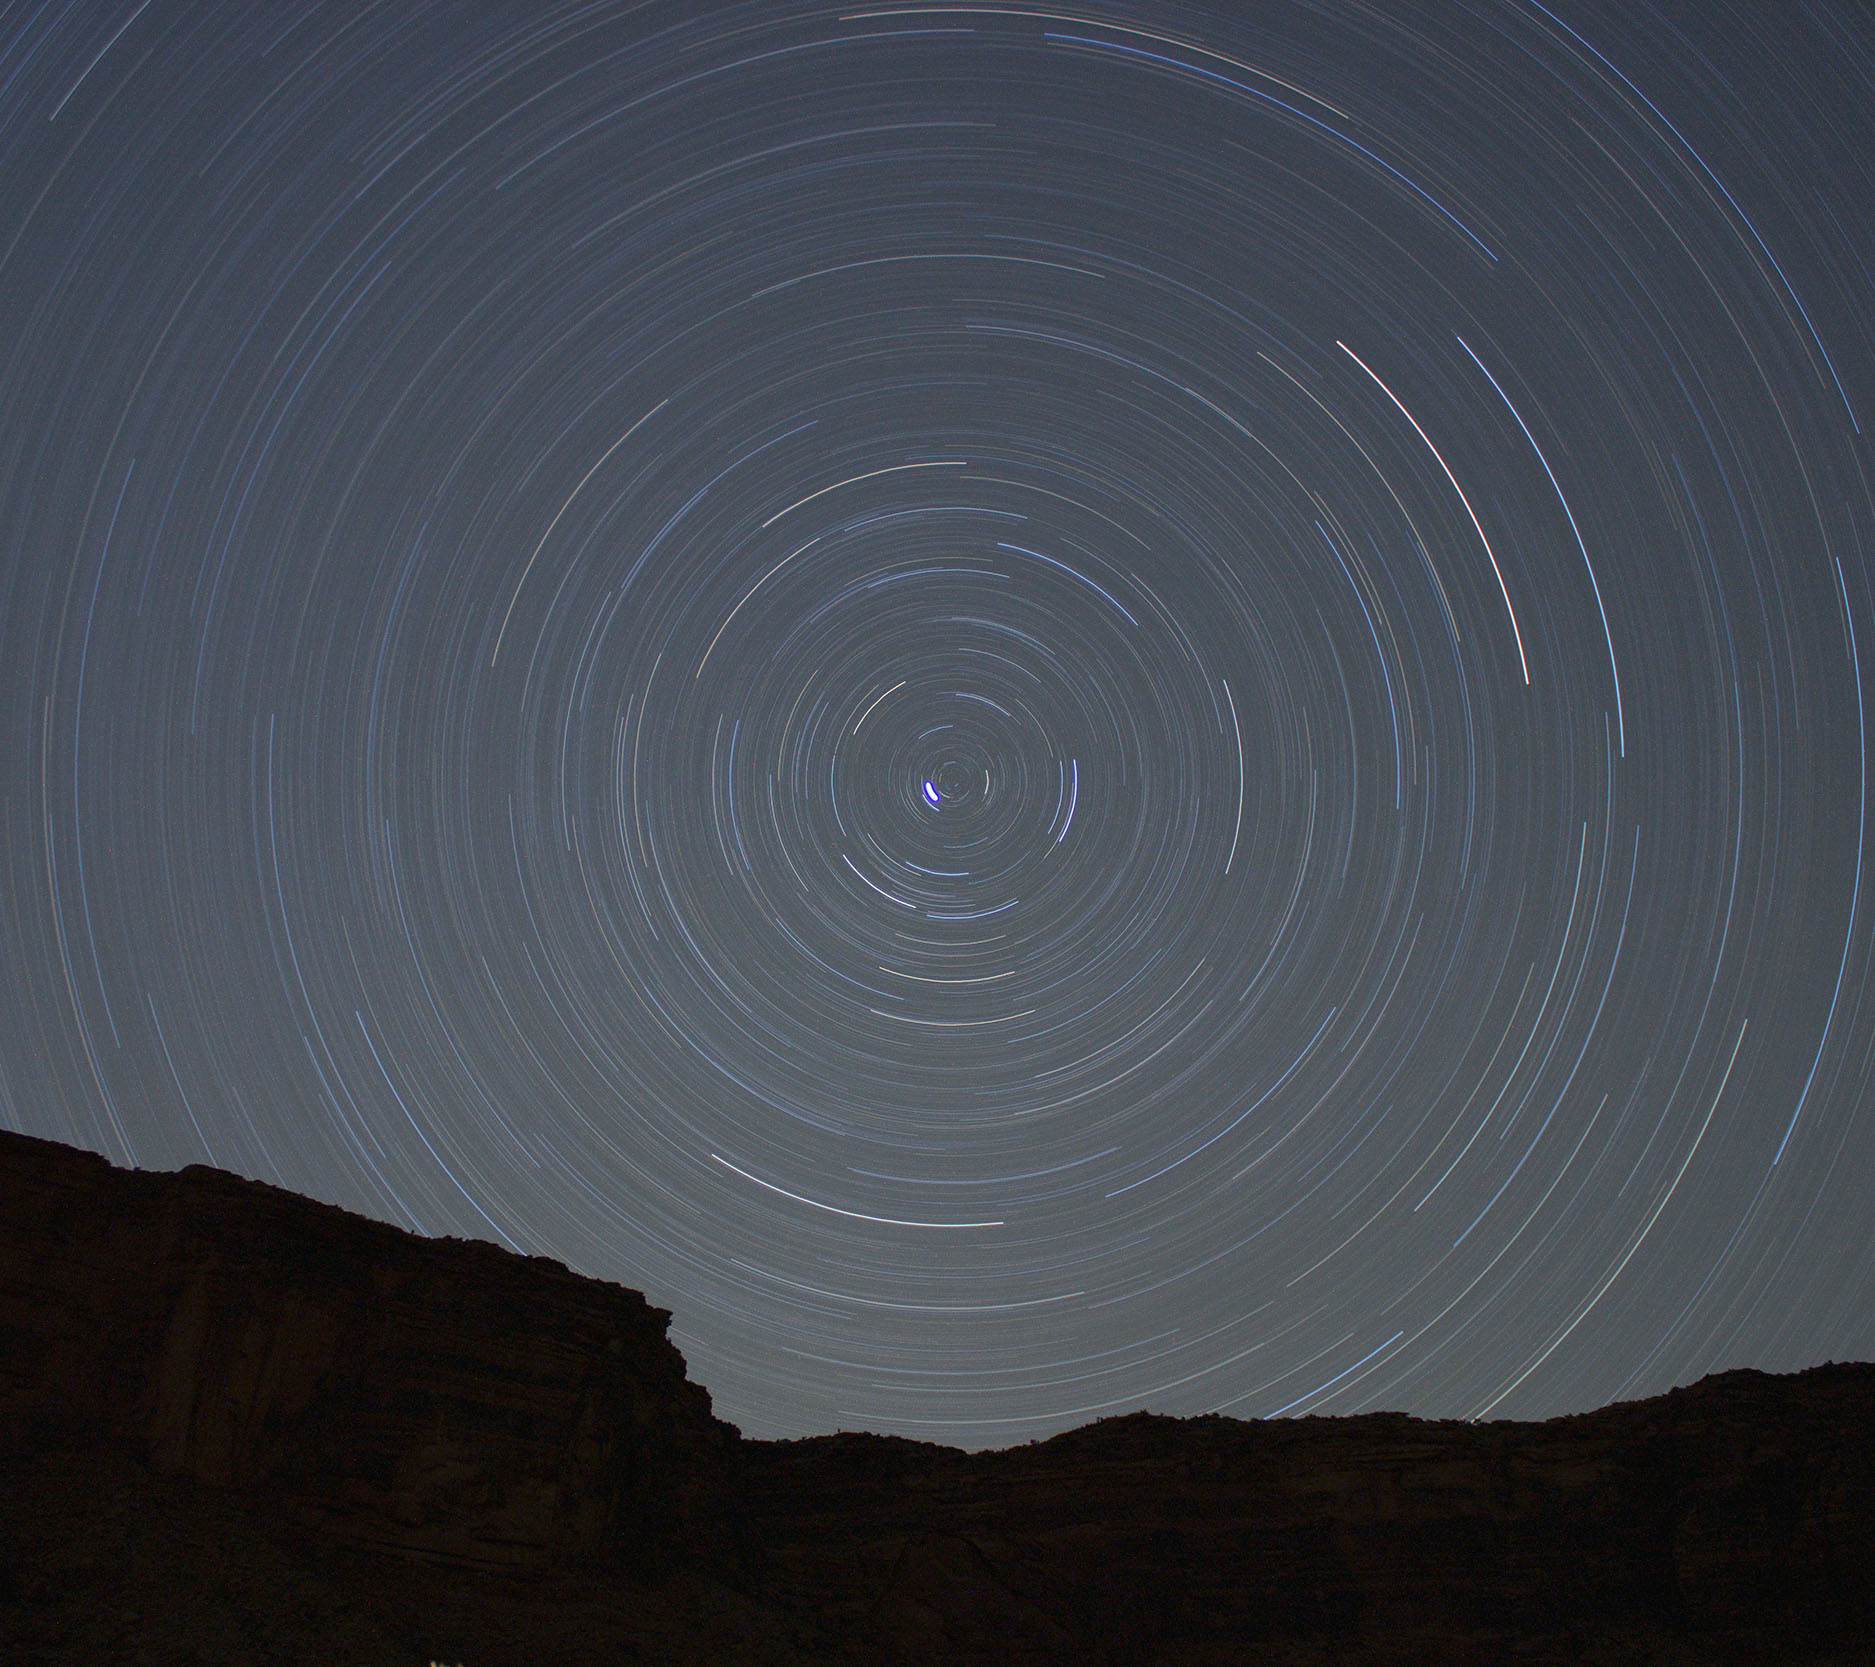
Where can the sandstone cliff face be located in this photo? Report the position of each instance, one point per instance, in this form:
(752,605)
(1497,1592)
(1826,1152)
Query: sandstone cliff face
(437,1450)
(425,1396)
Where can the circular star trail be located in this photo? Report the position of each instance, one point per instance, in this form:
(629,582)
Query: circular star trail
(1041,709)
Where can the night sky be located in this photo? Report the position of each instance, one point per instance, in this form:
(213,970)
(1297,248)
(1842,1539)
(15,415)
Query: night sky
(1042,710)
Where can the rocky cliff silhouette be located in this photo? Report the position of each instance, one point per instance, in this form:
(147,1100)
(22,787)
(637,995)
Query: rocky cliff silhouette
(240,1426)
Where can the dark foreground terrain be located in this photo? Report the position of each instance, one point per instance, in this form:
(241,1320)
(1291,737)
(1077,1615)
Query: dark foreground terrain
(240,1426)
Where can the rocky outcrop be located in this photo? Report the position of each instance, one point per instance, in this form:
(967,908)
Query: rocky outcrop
(1734,1520)
(424,1450)
(432,1397)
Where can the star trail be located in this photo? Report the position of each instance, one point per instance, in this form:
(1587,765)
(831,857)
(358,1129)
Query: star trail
(1041,709)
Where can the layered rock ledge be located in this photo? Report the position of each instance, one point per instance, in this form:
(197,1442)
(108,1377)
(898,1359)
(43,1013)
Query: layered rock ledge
(432,1397)
(236,1424)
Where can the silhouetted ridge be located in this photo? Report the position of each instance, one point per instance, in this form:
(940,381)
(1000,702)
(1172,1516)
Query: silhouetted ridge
(238,1424)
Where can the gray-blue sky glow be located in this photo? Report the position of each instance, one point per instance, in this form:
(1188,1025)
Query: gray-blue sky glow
(1041,710)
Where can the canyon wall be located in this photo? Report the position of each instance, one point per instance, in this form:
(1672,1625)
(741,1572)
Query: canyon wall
(500,1459)
(435,1397)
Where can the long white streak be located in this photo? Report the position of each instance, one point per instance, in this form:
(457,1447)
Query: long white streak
(890,469)
(86,71)
(1621,729)
(834,1209)
(987,978)
(746,595)
(1855,897)
(874,702)
(1239,733)
(1477,526)
(954,1024)
(907,1307)
(529,568)
(900,901)
(1636,1245)
(1074,798)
